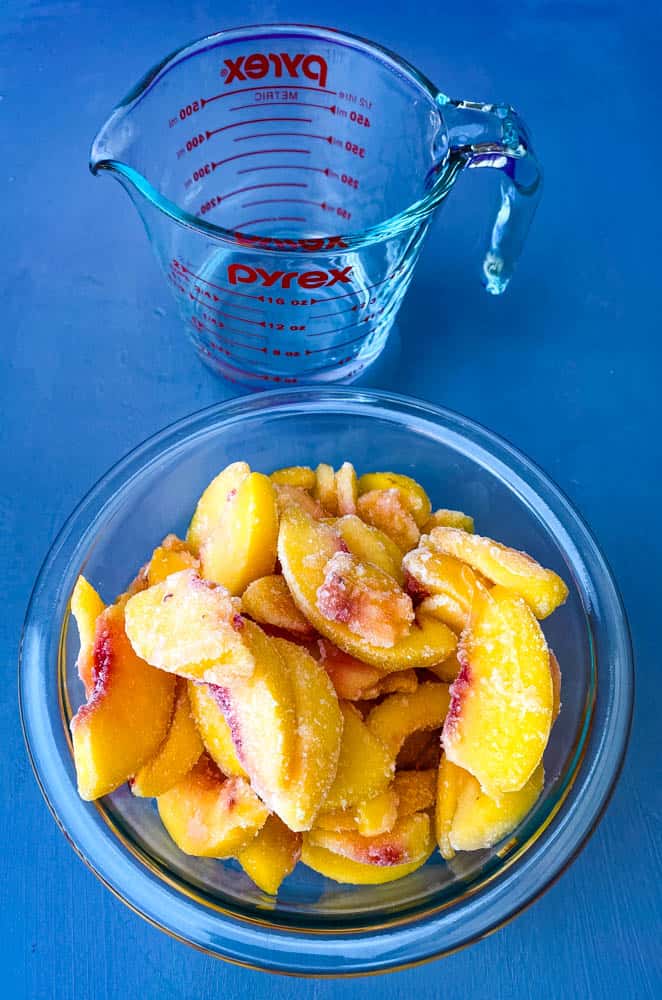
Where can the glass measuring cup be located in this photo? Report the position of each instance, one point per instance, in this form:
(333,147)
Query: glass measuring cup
(286,176)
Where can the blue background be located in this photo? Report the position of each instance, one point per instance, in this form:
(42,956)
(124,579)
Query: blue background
(567,366)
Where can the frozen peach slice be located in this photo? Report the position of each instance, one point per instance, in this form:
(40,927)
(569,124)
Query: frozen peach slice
(341,869)
(171,556)
(179,751)
(378,815)
(269,602)
(293,496)
(324,490)
(480,822)
(305,548)
(444,518)
(449,582)
(188,626)
(450,780)
(416,790)
(368,601)
(261,713)
(556,685)
(385,510)
(408,841)
(402,681)
(504,689)
(211,816)
(448,670)
(399,715)
(371,545)
(86,606)
(318,734)
(207,711)
(212,503)
(346,489)
(350,677)
(126,716)
(271,856)
(301,476)
(365,767)
(413,496)
(242,545)
(541,588)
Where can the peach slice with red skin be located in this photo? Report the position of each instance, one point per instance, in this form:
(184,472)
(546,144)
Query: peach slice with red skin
(207,711)
(212,503)
(504,689)
(305,547)
(399,715)
(242,545)
(126,716)
(385,510)
(341,869)
(177,754)
(365,766)
(407,842)
(271,856)
(542,589)
(211,816)
(413,496)
(371,545)
(86,607)
(268,601)
(188,626)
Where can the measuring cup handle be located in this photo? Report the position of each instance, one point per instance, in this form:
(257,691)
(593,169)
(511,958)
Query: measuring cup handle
(494,135)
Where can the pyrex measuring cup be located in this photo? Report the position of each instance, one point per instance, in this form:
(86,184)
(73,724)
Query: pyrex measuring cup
(286,176)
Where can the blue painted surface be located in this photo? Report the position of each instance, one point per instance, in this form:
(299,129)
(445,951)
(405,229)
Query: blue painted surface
(566,366)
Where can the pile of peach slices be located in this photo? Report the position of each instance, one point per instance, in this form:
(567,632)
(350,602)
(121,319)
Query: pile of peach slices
(324,670)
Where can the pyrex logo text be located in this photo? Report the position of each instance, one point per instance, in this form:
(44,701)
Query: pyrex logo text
(243,274)
(259,65)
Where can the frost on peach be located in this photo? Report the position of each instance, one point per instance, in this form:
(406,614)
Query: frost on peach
(346,489)
(365,599)
(400,715)
(371,545)
(504,689)
(176,755)
(207,711)
(269,602)
(365,766)
(211,505)
(384,509)
(413,497)
(447,583)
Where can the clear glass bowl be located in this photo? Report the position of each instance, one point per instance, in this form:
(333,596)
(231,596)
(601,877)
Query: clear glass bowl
(316,926)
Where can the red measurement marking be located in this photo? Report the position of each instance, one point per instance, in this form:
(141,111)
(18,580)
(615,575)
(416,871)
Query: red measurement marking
(287,166)
(253,90)
(279,201)
(284,104)
(273,218)
(296,135)
(254,121)
(256,152)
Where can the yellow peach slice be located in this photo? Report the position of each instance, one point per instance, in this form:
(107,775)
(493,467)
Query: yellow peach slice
(179,751)
(541,588)
(414,497)
(408,841)
(365,766)
(126,716)
(211,816)
(444,518)
(271,856)
(171,556)
(293,496)
(371,545)
(448,670)
(450,780)
(214,730)
(324,490)
(350,677)
(556,685)
(504,689)
(368,601)
(346,489)
(341,869)
(304,548)
(86,606)
(416,790)
(378,815)
(188,626)
(261,713)
(449,582)
(301,476)
(242,545)
(480,822)
(399,715)
(385,510)
(269,602)
(402,681)
(212,503)
(318,728)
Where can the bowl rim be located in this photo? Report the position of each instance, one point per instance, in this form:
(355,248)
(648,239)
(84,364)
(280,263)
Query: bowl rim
(318,956)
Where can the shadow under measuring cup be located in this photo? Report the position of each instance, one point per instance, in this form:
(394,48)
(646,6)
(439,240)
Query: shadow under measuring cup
(286,176)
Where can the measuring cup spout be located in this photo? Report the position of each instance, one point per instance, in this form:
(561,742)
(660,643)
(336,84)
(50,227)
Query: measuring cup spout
(113,143)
